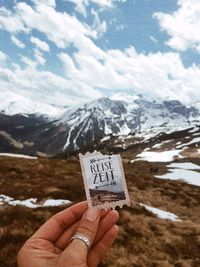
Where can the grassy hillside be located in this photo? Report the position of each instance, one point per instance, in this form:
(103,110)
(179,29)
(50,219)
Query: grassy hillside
(144,239)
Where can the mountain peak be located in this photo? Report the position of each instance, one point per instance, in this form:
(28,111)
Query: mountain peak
(122,114)
(12,104)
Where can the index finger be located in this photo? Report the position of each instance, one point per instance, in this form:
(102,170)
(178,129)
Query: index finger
(57,224)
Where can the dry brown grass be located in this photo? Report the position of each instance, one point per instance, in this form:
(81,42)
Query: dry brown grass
(144,239)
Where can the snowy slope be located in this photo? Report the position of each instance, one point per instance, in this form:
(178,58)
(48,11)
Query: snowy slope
(95,120)
(85,125)
(12,104)
(122,115)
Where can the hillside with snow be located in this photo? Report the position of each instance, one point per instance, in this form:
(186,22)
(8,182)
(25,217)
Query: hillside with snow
(12,104)
(79,128)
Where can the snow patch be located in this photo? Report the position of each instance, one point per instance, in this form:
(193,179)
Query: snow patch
(164,156)
(162,143)
(196,134)
(55,202)
(182,171)
(16,156)
(188,176)
(31,202)
(105,138)
(157,145)
(194,130)
(161,213)
(193,141)
(184,165)
(178,143)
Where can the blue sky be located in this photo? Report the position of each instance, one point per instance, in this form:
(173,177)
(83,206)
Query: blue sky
(68,52)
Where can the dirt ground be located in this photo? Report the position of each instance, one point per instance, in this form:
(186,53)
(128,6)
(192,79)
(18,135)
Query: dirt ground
(144,239)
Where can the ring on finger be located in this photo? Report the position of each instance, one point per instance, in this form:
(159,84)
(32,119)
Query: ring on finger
(83,238)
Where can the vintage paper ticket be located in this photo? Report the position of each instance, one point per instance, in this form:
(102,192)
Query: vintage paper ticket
(104,180)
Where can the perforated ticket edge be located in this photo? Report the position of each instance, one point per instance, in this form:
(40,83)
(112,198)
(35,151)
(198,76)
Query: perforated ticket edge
(107,205)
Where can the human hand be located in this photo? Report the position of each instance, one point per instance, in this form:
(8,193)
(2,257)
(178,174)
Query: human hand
(51,245)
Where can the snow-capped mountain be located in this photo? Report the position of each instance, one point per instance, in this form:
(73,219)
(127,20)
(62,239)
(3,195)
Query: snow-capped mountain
(81,127)
(12,104)
(94,120)
(136,116)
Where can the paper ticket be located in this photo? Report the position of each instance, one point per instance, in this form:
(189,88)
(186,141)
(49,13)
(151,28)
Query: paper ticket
(104,180)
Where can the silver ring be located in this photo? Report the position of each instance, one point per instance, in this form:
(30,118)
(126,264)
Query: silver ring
(83,238)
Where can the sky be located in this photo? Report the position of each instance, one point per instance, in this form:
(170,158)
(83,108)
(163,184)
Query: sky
(68,52)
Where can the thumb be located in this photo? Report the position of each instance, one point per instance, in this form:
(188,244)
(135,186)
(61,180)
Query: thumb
(77,250)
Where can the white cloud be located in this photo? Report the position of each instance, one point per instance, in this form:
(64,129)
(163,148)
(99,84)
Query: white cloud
(51,3)
(69,64)
(60,28)
(29,83)
(82,5)
(33,63)
(160,75)
(30,63)
(40,44)
(39,57)
(3,57)
(182,26)
(98,26)
(10,22)
(17,42)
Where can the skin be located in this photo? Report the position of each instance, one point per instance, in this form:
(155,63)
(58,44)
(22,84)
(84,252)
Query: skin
(51,245)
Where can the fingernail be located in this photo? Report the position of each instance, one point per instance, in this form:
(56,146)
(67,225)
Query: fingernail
(92,214)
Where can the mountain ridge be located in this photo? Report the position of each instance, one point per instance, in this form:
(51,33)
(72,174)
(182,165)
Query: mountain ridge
(81,127)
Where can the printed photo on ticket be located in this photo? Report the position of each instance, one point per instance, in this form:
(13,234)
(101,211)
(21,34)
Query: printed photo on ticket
(104,180)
